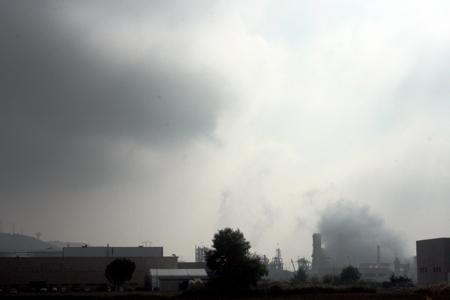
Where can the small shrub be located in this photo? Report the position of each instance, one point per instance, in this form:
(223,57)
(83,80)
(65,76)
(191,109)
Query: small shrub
(314,280)
(361,289)
(196,284)
(198,294)
(275,290)
(327,279)
(422,290)
(436,289)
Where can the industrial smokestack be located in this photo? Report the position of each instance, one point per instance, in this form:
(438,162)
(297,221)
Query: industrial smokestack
(378,256)
(317,251)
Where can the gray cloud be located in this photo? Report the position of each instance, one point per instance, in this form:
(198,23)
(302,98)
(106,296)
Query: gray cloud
(348,228)
(66,105)
(113,110)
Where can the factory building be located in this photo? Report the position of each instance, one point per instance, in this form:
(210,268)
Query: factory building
(84,267)
(72,273)
(86,251)
(112,251)
(200,253)
(319,259)
(370,272)
(433,261)
(175,279)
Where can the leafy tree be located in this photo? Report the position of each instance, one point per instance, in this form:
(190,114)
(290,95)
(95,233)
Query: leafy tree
(301,275)
(120,270)
(327,278)
(330,278)
(292,282)
(400,280)
(233,265)
(404,280)
(314,280)
(350,274)
(393,279)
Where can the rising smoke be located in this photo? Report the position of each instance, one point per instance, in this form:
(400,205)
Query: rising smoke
(351,232)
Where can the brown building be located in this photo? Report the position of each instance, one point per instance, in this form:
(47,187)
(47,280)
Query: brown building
(73,272)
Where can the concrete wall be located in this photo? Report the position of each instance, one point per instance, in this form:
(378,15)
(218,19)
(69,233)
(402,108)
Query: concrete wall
(73,271)
(433,261)
(112,251)
(192,265)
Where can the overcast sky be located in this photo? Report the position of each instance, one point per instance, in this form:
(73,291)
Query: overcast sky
(164,121)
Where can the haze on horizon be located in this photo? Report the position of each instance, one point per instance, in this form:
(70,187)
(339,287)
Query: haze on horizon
(164,121)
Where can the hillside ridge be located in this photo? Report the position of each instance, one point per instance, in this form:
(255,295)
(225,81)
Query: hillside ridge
(24,243)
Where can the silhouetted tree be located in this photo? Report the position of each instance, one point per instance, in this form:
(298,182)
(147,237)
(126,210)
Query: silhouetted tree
(330,279)
(400,280)
(120,270)
(350,274)
(301,275)
(234,267)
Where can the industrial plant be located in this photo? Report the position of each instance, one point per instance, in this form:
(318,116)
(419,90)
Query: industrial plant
(83,268)
(321,264)
(372,271)
(75,268)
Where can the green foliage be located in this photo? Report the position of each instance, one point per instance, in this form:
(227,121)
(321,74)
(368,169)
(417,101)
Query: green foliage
(275,290)
(293,282)
(328,278)
(314,280)
(190,294)
(350,274)
(436,289)
(318,289)
(360,289)
(234,267)
(336,279)
(120,270)
(301,275)
(400,280)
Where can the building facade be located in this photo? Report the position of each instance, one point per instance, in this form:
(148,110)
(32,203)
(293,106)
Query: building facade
(24,273)
(433,261)
(112,251)
(171,280)
(79,268)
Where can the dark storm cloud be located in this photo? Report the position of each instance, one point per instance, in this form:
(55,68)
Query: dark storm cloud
(65,104)
(350,229)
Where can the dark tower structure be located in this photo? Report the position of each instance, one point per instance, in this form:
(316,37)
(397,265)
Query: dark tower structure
(317,256)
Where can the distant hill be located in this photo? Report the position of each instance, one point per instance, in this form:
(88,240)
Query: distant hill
(61,245)
(23,243)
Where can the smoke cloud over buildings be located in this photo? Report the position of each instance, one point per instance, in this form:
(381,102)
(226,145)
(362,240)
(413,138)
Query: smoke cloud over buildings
(351,233)
(165,121)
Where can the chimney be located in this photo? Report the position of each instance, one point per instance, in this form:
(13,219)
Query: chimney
(378,256)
